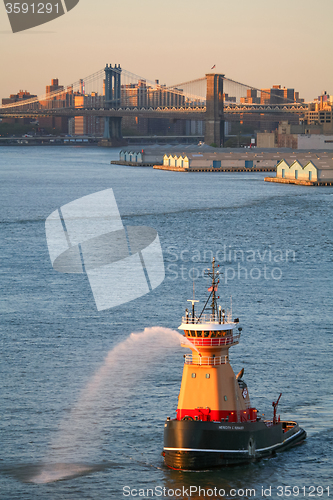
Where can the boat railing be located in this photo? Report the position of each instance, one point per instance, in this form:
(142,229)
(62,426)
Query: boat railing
(204,318)
(206,360)
(210,342)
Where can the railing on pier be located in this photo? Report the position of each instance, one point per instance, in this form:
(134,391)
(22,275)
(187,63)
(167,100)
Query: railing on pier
(206,360)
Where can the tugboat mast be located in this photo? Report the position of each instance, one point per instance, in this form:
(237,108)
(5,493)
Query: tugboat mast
(213,289)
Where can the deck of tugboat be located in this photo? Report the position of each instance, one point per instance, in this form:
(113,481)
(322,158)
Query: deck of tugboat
(197,443)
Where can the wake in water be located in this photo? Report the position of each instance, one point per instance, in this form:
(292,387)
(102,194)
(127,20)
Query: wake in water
(41,474)
(104,396)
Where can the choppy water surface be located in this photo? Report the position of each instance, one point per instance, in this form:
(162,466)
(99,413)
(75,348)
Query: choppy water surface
(85,394)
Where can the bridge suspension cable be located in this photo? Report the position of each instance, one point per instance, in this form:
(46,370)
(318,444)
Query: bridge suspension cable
(94,80)
(182,89)
(195,87)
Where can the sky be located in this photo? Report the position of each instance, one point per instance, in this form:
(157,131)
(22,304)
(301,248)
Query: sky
(259,43)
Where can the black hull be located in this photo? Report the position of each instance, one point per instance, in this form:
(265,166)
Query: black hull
(195,445)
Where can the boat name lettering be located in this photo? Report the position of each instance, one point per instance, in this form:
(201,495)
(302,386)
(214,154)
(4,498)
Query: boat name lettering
(231,428)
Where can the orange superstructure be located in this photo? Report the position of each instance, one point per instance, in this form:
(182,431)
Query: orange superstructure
(210,391)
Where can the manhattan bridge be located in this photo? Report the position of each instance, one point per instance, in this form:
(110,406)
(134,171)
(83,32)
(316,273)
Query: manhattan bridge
(114,93)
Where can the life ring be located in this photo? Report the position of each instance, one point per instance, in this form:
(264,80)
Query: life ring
(187,417)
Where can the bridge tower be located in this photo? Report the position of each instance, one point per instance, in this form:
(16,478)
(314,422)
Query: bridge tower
(214,133)
(112,82)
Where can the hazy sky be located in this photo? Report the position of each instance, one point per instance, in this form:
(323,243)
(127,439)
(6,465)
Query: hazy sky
(257,42)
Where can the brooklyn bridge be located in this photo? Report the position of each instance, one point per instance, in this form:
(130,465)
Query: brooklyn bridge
(114,93)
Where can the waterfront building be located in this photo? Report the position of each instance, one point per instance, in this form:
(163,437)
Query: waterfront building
(131,156)
(238,161)
(296,137)
(316,170)
(315,141)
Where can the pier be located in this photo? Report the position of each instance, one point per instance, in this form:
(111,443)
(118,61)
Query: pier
(211,169)
(49,140)
(298,182)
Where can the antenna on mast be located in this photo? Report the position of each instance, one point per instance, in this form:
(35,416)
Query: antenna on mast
(193,312)
(213,289)
(214,275)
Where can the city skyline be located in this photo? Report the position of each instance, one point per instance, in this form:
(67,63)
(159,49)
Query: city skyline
(257,44)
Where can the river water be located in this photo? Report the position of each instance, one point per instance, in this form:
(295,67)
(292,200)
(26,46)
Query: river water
(85,393)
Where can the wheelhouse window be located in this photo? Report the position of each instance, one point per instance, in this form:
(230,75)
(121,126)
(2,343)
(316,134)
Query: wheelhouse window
(208,334)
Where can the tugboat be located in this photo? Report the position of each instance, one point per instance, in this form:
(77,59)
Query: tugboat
(216,425)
